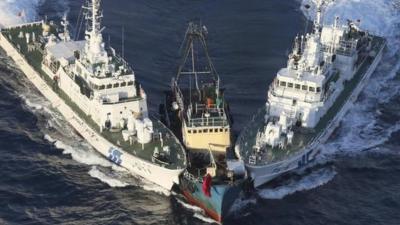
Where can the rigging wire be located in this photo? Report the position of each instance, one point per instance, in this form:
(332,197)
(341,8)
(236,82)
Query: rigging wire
(77,29)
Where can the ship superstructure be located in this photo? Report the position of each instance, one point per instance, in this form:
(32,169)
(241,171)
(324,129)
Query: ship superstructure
(326,69)
(198,99)
(102,91)
(195,109)
(108,91)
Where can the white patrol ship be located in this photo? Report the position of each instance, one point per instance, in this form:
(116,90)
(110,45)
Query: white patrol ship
(325,73)
(97,92)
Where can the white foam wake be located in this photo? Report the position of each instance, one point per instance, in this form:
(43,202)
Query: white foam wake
(191,207)
(197,211)
(111,181)
(81,154)
(204,218)
(311,181)
(380,17)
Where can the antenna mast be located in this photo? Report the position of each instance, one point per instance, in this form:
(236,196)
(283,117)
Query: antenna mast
(95,48)
(123,41)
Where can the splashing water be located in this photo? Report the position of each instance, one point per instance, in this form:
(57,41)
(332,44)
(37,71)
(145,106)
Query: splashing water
(111,181)
(197,211)
(379,17)
(311,181)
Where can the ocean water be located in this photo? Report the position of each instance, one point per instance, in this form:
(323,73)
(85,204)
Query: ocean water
(49,175)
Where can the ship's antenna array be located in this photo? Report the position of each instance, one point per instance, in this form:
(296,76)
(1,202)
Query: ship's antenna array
(195,33)
(65,24)
(94,47)
(123,41)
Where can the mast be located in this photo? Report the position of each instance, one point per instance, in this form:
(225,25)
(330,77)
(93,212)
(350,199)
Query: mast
(65,24)
(318,19)
(195,37)
(94,48)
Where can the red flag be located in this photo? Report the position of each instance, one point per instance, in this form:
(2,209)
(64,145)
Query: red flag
(207,185)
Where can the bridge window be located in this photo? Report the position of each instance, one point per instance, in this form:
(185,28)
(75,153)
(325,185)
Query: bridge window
(221,130)
(123,84)
(318,89)
(194,131)
(312,89)
(297,86)
(109,86)
(211,131)
(130,83)
(205,130)
(290,85)
(283,84)
(189,131)
(101,87)
(304,88)
(116,85)
(216,130)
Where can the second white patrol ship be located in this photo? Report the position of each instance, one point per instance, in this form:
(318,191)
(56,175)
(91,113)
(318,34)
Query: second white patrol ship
(325,73)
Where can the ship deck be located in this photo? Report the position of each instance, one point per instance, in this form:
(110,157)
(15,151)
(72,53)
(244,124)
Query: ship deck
(217,116)
(33,53)
(175,159)
(302,137)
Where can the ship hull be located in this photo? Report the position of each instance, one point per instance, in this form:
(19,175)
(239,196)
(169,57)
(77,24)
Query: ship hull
(219,202)
(261,174)
(159,175)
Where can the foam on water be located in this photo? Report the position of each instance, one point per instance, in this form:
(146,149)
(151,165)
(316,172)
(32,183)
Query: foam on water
(192,208)
(149,186)
(197,211)
(112,182)
(80,154)
(311,181)
(380,17)
(204,218)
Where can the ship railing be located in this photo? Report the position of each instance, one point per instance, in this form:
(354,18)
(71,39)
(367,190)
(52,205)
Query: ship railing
(210,121)
(23,25)
(305,99)
(121,100)
(191,177)
(209,107)
(247,151)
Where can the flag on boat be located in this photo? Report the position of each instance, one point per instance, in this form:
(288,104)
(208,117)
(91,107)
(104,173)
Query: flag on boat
(207,185)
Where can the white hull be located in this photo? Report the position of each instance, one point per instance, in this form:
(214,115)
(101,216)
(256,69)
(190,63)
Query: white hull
(265,173)
(152,172)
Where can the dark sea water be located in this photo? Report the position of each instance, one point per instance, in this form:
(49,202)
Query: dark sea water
(49,175)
